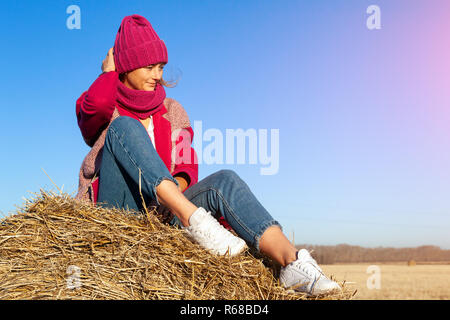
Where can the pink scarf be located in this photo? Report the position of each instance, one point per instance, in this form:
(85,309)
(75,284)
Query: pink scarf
(141,103)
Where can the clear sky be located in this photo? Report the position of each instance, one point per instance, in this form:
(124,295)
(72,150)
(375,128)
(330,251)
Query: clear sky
(363,114)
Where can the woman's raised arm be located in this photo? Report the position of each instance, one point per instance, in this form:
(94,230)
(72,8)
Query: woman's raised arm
(95,106)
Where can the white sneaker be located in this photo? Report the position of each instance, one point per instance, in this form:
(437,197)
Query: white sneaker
(211,235)
(304,275)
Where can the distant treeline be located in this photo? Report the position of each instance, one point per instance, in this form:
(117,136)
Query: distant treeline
(344,253)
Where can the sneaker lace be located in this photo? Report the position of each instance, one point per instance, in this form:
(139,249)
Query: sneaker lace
(309,266)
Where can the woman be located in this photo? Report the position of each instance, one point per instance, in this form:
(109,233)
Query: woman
(132,128)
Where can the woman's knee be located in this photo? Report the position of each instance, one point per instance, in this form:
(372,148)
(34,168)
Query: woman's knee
(227,174)
(227,178)
(124,122)
(126,127)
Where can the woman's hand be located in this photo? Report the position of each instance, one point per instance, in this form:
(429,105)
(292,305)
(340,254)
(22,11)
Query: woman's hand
(182,183)
(108,63)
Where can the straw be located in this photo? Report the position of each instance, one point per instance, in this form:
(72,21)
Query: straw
(56,247)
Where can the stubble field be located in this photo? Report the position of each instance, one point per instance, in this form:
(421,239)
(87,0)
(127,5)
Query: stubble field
(393,281)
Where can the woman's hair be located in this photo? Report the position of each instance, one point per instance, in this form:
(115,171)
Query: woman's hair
(168,84)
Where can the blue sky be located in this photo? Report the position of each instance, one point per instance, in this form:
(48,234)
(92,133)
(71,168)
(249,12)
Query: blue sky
(364,147)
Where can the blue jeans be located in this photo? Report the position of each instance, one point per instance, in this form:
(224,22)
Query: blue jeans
(129,156)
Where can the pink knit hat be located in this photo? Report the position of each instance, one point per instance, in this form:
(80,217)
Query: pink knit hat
(137,45)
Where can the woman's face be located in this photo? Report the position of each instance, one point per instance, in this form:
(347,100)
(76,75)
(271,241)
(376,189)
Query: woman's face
(144,78)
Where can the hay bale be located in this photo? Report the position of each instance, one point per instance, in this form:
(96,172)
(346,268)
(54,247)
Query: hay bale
(56,247)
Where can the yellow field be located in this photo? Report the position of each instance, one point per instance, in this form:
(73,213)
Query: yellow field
(393,281)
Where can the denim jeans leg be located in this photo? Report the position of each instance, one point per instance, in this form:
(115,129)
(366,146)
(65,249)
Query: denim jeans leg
(116,189)
(224,193)
(129,157)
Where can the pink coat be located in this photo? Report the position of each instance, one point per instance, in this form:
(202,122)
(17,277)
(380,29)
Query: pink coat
(97,108)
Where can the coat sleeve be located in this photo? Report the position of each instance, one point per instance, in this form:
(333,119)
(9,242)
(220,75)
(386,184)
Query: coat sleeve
(95,106)
(186,162)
